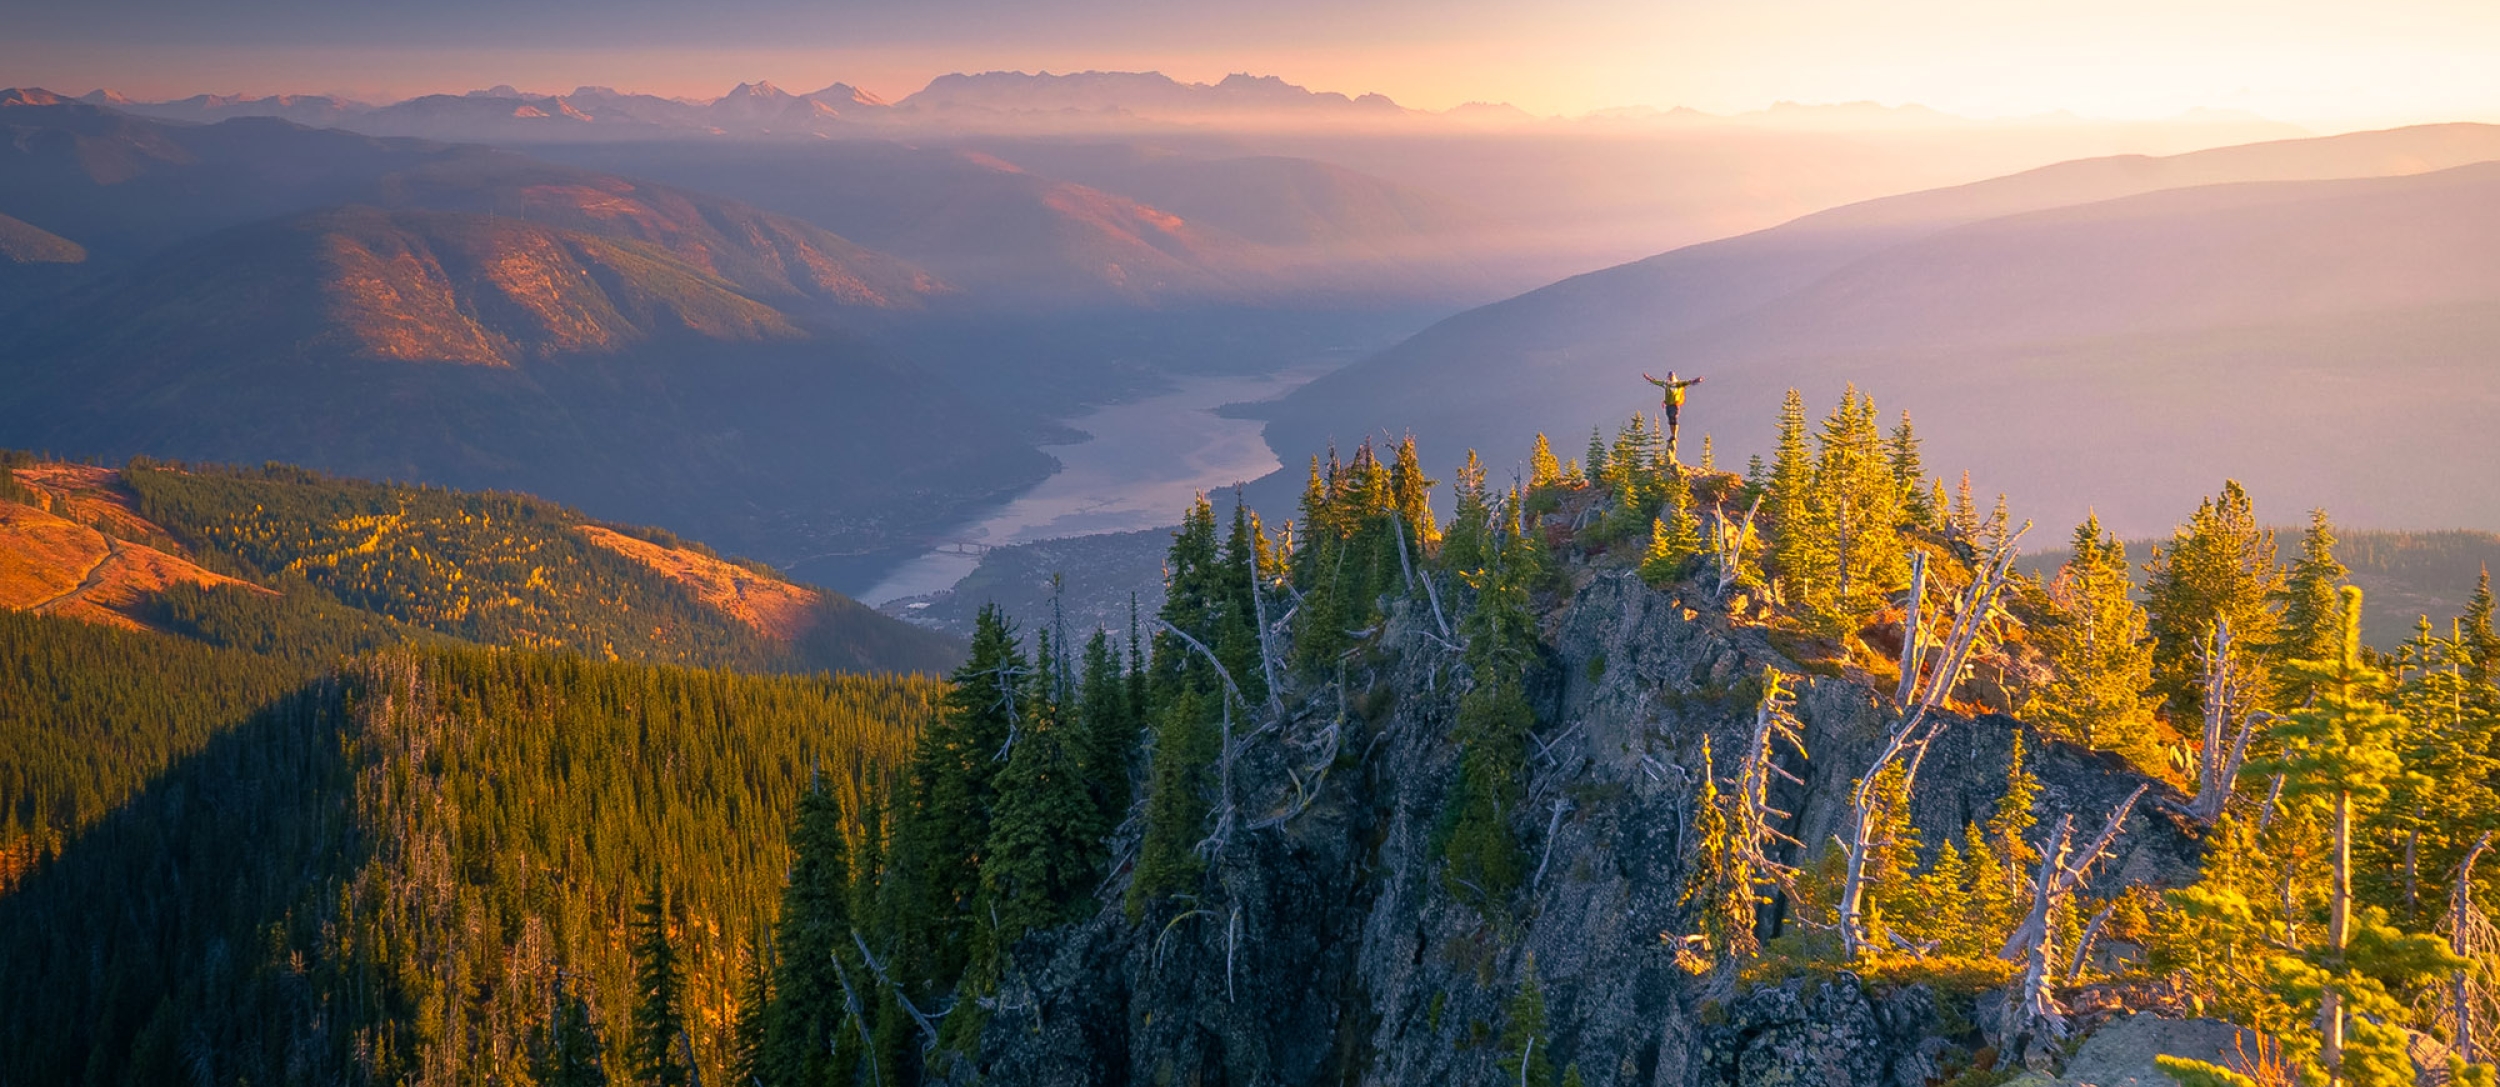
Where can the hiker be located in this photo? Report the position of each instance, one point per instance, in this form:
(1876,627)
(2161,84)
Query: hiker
(1671,401)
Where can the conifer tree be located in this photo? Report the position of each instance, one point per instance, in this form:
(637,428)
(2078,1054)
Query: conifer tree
(1709,456)
(1718,889)
(747,1060)
(1674,539)
(567,1051)
(1471,524)
(1542,470)
(1801,557)
(1040,855)
(1107,734)
(955,772)
(2102,657)
(1892,853)
(1965,514)
(2481,643)
(1523,1033)
(1484,862)
(2340,753)
(808,1004)
(1411,493)
(1594,465)
(1909,475)
(2309,629)
(1857,504)
(2218,564)
(1176,800)
(659,997)
(2010,854)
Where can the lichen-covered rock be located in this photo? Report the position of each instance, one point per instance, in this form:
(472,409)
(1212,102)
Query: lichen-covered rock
(1328,949)
(2120,1054)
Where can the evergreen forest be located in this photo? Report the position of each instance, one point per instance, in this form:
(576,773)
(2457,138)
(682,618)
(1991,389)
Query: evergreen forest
(571,834)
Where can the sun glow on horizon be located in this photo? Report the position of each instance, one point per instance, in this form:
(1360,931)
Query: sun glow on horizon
(2320,64)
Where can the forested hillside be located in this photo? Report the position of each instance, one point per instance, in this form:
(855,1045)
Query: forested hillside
(425,866)
(294,563)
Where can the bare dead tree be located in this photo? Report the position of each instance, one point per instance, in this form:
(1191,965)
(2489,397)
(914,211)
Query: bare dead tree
(2470,936)
(1729,541)
(2063,880)
(2218,764)
(1921,691)
(1774,724)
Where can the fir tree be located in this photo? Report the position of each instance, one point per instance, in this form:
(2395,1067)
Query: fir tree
(1594,465)
(1542,470)
(2219,564)
(1411,493)
(1040,856)
(955,775)
(1494,720)
(1176,801)
(567,1051)
(2481,642)
(2309,628)
(2101,655)
(1108,731)
(1471,524)
(749,1062)
(1523,1033)
(1801,557)
(1719,890)
(2340,753)
(1674,539)
(809,1007)
(659,996)
(1910,477)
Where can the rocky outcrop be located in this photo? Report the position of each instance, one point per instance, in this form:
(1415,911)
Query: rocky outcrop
(1329,949)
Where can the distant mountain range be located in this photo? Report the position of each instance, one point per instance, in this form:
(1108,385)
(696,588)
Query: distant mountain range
(2312,317)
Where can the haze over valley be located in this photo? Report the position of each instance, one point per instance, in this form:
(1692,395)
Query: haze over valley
(570,544)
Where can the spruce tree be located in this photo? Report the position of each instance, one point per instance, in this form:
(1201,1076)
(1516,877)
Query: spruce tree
(659,996)
(1523,1034)
(955,785)
(748,1060)
(1471,524)
(2340,753)
(1801,556)
(2100,652)
(2309,628)
(1542,470)
(1674,539)
(568,1052)
(1909,476)
(1040,857)
(1108,732)
(809,1006)
(2481,642)
(2221,563)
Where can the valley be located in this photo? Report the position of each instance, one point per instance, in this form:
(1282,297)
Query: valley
(1104,577)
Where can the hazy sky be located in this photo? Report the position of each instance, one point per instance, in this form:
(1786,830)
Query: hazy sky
(2326,62)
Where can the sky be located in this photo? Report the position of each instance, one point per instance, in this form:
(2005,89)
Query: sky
(2326,63)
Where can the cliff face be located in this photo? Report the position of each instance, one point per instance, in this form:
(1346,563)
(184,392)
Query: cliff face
(1331,951)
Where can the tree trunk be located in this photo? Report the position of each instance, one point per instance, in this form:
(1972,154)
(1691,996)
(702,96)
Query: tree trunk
(2338,930)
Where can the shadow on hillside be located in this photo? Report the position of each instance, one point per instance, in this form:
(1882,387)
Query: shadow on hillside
(155,947)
